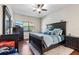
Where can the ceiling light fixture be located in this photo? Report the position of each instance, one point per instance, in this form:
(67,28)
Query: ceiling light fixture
(39,8)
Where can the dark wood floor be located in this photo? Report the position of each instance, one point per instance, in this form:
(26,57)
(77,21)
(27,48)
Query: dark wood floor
(75,53)
(25,50)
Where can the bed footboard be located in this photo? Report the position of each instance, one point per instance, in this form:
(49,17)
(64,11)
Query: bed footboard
(36,42)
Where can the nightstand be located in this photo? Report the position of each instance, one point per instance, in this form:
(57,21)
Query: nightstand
(72,42)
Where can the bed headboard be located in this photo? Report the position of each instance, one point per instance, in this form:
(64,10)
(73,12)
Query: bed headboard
(61,25)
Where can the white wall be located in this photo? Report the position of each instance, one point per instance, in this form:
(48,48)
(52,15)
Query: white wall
(69,14)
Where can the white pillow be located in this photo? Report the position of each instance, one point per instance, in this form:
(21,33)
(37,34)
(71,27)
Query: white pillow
(57,32)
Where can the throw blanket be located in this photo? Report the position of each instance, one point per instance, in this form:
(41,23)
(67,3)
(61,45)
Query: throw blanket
(7,43)
(7,50)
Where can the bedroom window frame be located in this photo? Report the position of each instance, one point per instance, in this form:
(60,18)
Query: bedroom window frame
(26,26)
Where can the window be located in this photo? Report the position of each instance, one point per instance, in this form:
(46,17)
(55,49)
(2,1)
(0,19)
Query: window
(27,26)
(20,23)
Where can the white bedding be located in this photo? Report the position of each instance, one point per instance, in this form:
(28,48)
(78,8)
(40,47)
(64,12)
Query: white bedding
(49,39)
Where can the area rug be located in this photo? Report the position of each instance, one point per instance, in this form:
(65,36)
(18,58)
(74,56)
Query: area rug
(60,50)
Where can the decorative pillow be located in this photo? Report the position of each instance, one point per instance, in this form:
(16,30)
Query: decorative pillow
(50,28)
(46,32)
(56,32)
(7,43)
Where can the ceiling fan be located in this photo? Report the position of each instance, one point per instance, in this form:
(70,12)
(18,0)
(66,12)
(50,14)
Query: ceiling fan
(39,8)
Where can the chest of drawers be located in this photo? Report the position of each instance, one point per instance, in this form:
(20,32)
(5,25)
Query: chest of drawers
(72,42)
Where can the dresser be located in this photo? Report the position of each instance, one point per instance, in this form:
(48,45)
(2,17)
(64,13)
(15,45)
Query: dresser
(72,42)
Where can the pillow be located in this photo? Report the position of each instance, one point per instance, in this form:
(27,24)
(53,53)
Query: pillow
(46,32)
(56,32)
(50,28)
(7,43)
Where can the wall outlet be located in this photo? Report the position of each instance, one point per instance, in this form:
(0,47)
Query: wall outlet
(69,34)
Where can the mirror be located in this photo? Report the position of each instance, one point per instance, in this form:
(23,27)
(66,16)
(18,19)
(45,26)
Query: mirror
(6,20)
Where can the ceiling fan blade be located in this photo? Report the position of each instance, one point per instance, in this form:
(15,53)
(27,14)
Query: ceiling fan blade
(36,6)
(42,5)
(34,10)
(44,9)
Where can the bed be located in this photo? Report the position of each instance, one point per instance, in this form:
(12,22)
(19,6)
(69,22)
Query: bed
(43,42)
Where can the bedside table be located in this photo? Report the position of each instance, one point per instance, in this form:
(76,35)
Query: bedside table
(72,42)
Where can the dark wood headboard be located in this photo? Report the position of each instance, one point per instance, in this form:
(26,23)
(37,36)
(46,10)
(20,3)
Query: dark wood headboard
(61,25)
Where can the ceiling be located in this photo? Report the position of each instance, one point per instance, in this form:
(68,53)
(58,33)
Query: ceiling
(27,9)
